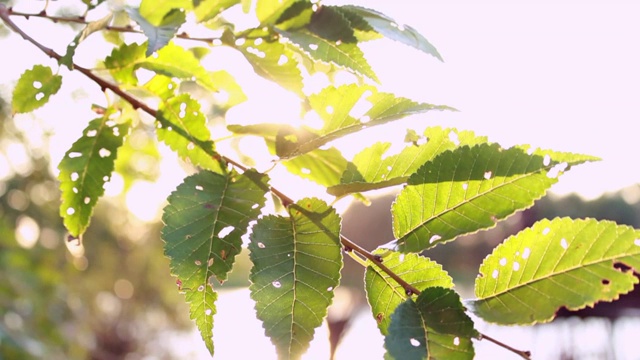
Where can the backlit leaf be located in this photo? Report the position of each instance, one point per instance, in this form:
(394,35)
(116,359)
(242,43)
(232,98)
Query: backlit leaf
(389,28)
(345,110)
(122,62)
(182,126)
(297,261)
(296,16)
(67,58)
(158,36)
(471,188)
(204,221)
(269,11)
(329,23)
(209,9)
(34,88)
(435,326)
(156,12)
(556,263)
(85,168)
(385,294)
(271,59)
(370,171)
(323,166)
(344,54)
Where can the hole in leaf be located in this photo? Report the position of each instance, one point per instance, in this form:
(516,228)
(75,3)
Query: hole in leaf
(556,170)
(434,238)
(201,288)
(414,342)
(198,262)
(75,190)
(516,266)
(453,136)
(105,178)
(92,133)
(329,109)
(210,262)
(313,47)
(305,171)
(87,200)
(257,42)
(37,84)
(547,160)
(71,211)
(546,231)
(199,187)
(456,341)
(208,312)
(494,274)
(74,155)
(39,96)
(621,267)
(74,176)
(283,60)
(465,186)
(401,258)
(225,231)
(239,42)
(330,288)
(255,206)
(637,242)
(104,153)
(365,119)
(488,174)
(526,253)
(191,146)
(276,284)
(261,245)
(503,261)
(564,243)
(110,123)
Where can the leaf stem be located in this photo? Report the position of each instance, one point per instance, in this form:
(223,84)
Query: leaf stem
(348,245)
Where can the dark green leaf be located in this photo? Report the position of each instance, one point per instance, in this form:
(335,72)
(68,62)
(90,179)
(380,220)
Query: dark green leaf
(206,217)
(435,326)
(297,262)
(34,88)
(296,16)
(394,31)
(330,24)
(67,58)
(471,188)
(556,263)
(385,294)
(269,11)
(85,168)
(182,126)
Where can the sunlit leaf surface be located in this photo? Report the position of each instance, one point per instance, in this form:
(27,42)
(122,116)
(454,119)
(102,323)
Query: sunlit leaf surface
(435,326)
(556,263)
(471,188)
(34,88)
(85,168)
(385,294)
(206,217)
(296,265)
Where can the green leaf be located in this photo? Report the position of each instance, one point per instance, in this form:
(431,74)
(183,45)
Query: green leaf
(156,12)
(208,9)
(323,166)
(67,58)
(89,29)
(385,294)
(435,326)
(34,88)
(296,267)
(337,108)
(158,36)
(370,171)
(204,221)
(271,59)
(85,168)
(175,61)
(556,263)
(392,30)
(329,23)
(296,16)
(227,88)
(123,61)
(343,54)
(162,86)
(471,188)
(182,126)
(269,11)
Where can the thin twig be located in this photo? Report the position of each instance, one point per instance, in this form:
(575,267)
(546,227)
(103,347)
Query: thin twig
(286,201)
(123,29)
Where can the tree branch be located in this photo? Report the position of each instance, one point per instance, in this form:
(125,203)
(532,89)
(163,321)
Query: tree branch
(286,201)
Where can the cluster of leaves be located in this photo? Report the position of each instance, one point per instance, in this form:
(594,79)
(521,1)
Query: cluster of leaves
(454,183)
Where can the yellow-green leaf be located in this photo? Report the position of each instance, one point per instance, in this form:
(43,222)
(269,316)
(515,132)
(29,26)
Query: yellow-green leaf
(34,88)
